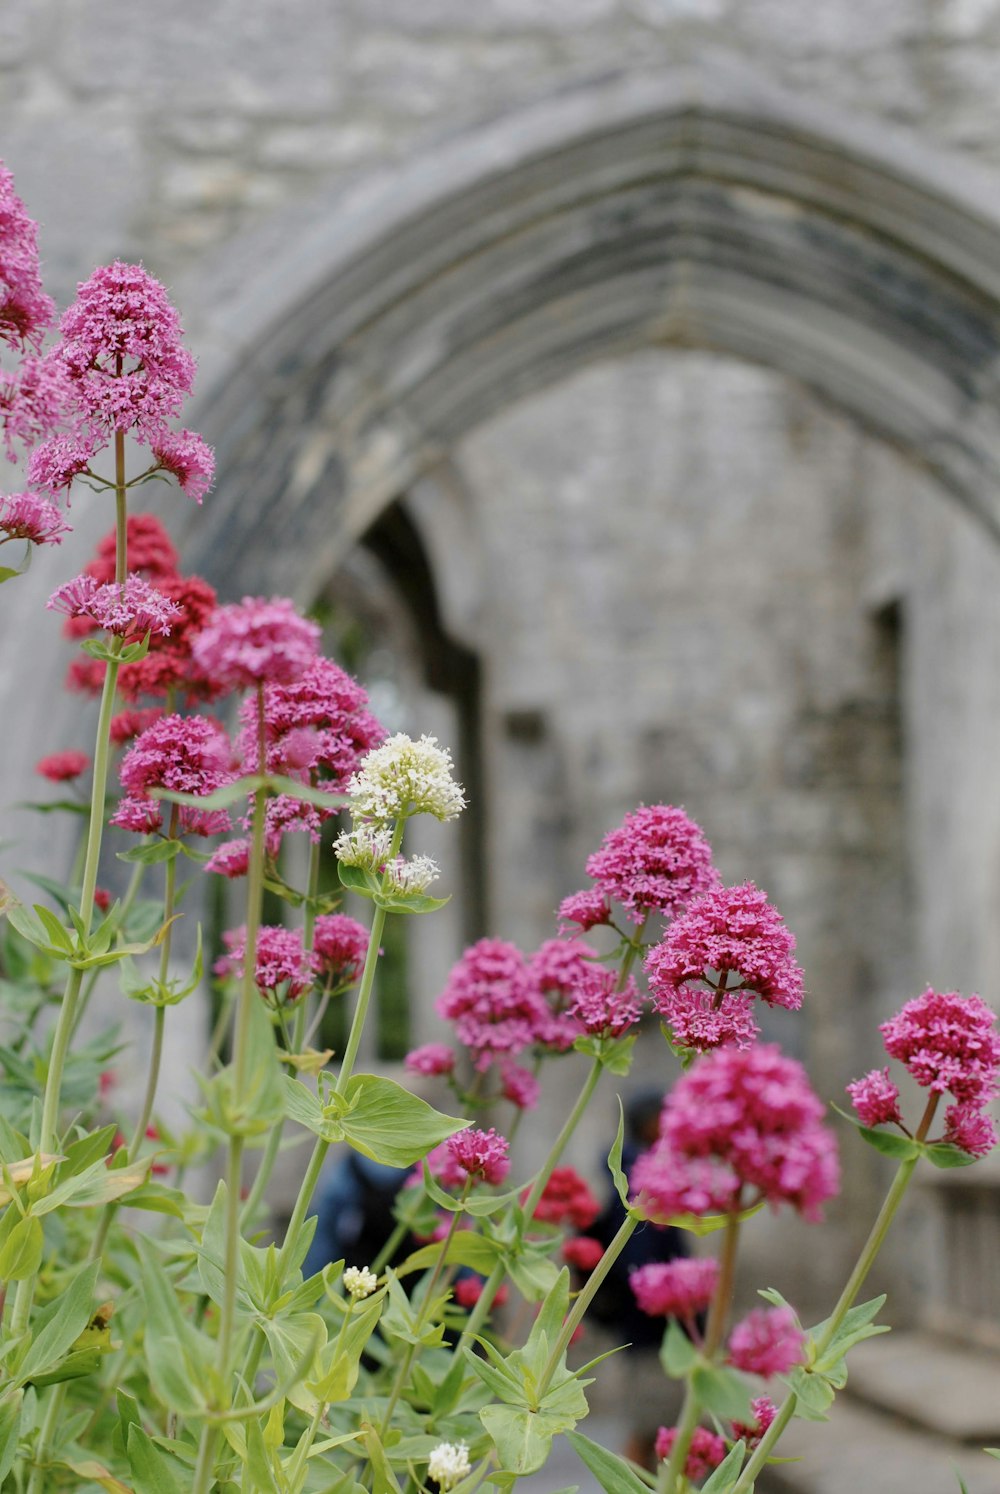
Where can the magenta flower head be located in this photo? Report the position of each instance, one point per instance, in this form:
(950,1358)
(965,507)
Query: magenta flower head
(948,1043)
(26,312)
(283,967)
(751,1116)
(559,969)
(480,1155)
(32,400)
(767,1342)
(876,1099)
(492,1001)
(255,642)
(584,910)
(29,516)
(186,456)
(63,767)
(129,611)
(730,946)
(431,1059)
(340,945)
(657,861)
(122,348)
(186,754)
(601,1008)
(231,859)
(706,1452)
(680,1288)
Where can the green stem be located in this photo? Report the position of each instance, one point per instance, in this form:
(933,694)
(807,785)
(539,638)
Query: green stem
(273,1146)
(670,1474)
(368,975)
(583,1301)
(66,1021)
(302,1202)
(425,1305)
(562,1140)
(234,1168)
(845,1302)
(156,1053)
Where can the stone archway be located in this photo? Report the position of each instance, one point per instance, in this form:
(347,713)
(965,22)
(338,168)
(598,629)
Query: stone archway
(697,209)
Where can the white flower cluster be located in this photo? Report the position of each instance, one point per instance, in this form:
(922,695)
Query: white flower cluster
(367,846)
(415,875)
(359,1282)
(449,1463)
(403,777)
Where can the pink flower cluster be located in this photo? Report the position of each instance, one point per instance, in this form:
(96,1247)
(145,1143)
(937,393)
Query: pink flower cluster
(566,1199)
(28,516)
(764,1411)
(767,1342)
(186,754)
(26,311)
(317,730)
(470,1154)
(706,1452)
(494,1004)
(949,1044)
(730,945)
(656,861)
(680,1288)
(256,642)
(601,1008)
(559,968)
(340,945)
(130,611)
(432,1059)
(283,968)
(32,399)
(738,1126)
(63,767)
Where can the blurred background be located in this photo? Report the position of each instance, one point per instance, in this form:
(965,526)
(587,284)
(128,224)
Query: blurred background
(618,379)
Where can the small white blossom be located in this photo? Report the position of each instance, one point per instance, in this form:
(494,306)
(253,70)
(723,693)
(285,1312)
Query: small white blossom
(415,875)
(367,846)
(403,777)
(359,1282)
(449,1463)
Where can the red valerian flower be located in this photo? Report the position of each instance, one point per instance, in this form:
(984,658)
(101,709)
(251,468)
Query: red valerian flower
(656,861)
(62,767)
(729,946)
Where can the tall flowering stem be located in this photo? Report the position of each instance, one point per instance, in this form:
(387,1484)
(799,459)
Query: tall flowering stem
(368,974)
(583,1301)
(855,1281)
(671,1470)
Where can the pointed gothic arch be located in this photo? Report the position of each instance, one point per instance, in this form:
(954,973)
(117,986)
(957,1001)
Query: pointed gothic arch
(697,208)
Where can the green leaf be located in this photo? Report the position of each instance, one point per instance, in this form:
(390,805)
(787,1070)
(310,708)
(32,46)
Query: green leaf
(128,1413)
(152,853)
(612,1473)
(857,1325)
(725,1476)
(464,1249)
(615,1158)
(152,1470)
(521,1437)
(413,902)
(21,1253)
(815,1394)
(10,1429)
(385,1480)
(532,1271)
(356,879)
(677,1353)
(722,1391)
(386,1122)
(179,1358)
(220,798)
(340,1360)
(60,1324)
(889,1144)
(945,1154)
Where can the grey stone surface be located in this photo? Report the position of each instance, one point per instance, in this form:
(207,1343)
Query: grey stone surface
(931,1383)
